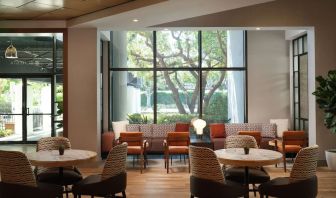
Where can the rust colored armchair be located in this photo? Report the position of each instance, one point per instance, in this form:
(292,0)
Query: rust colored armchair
(177,143)
(136,146)
(292,142)
(255,134)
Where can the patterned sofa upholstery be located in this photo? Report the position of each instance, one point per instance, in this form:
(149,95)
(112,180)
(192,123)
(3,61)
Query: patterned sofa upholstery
(268,132)
(153,133)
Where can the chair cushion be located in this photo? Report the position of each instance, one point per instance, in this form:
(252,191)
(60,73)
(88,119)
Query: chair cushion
(256,176)
(51,176)
(219,143)
(135,150)
(178,149)
(107,141)
(290,148)
(217,130)
(118,127)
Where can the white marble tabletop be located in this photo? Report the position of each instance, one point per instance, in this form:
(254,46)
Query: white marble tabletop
(256,157)
(52,158)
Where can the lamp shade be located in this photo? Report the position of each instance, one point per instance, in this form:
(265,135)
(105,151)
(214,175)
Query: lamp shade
(199,125)
(11,52)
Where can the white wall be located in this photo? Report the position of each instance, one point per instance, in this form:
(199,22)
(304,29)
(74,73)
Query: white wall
(83,89)
(268,76)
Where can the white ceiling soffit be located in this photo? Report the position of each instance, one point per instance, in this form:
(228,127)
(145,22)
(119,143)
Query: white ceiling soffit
(167,11)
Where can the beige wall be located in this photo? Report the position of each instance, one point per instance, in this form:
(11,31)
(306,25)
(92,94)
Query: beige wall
(268,72)
(287,13)
(83,89)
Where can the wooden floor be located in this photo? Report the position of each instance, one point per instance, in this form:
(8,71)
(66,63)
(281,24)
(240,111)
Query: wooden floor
(155,182)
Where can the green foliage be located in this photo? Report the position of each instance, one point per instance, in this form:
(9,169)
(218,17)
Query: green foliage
(173,118)
(326,98)
(217,110)
(6,132)
(137,118)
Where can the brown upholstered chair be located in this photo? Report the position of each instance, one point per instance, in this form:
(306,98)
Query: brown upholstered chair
(292,142)
(18,179)
(71,175)
(136,146)
(176,143)
(256,175)
(302,181)
(207,179)
(255,134)
(113,179)
(217,135)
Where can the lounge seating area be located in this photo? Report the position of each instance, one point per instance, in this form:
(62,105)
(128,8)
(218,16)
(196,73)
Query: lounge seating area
(167,98)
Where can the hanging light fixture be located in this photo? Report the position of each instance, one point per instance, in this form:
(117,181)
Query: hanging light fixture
(11,52)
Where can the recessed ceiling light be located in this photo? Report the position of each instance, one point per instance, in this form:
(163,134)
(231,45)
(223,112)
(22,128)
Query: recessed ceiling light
(258,28)
(135,20)
(166,29)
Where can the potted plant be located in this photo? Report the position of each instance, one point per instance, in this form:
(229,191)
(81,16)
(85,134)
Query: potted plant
(326,99)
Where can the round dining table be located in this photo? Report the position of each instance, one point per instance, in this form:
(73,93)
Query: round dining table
(52,158)
(255,158)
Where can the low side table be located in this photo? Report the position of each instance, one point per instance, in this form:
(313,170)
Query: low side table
(203,141)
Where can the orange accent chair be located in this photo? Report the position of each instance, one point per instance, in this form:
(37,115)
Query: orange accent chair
(255,134)
(177,143)
(136,146)
(292,142)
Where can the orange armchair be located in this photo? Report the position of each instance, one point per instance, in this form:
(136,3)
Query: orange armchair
(292,142)
(255,134)
(177,143)
(136,146)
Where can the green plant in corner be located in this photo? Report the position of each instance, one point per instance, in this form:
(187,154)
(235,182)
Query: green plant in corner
(326,99)
(137,118)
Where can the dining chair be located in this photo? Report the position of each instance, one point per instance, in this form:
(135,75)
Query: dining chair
(176,143)
(137,146)
(71,175)
(255,134)
(111,181)
(302,181)
(18,179)
(207,179)
(290,144)
(256,175)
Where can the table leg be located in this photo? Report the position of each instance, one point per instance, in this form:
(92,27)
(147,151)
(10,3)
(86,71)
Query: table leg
(246,181)
(61,175)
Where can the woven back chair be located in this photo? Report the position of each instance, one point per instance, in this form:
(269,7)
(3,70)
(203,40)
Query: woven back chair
(305,164)
(115,162)
(16,169)
(204,164)
(255,134)
(241,141)
(52,143)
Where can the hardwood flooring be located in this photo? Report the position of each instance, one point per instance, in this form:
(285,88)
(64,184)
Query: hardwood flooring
(155,182)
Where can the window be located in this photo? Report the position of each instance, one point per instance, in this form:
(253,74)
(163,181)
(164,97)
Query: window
(169,76)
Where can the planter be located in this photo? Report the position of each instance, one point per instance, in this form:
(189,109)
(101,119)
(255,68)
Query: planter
(331,158)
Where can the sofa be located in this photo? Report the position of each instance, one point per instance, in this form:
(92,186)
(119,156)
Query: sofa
(219,131)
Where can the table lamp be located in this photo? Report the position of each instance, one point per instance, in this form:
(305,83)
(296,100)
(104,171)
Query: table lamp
(199,125)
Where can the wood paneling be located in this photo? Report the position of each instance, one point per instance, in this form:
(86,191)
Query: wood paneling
(53,9)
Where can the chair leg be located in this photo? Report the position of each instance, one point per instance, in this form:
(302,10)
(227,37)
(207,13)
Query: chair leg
(191,196)
(167,163)
(92,196)
(123,194)
(254,190)
(142,164)
(171,160)
(284,162)
(133,161)
(180,157)
(184,159)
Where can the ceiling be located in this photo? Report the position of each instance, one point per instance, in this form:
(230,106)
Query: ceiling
(53,9)
(109,14)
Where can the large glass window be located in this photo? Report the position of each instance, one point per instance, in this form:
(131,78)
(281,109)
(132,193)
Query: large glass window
(171,76)
(31,86)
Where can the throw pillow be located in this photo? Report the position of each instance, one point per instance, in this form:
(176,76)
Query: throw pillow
(182,127)
(217,130)
(118,127)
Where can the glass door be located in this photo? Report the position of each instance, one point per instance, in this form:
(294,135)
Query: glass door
(11,114)
(25,109)
(38,108)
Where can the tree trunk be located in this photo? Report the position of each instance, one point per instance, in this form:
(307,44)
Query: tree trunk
(175,93)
